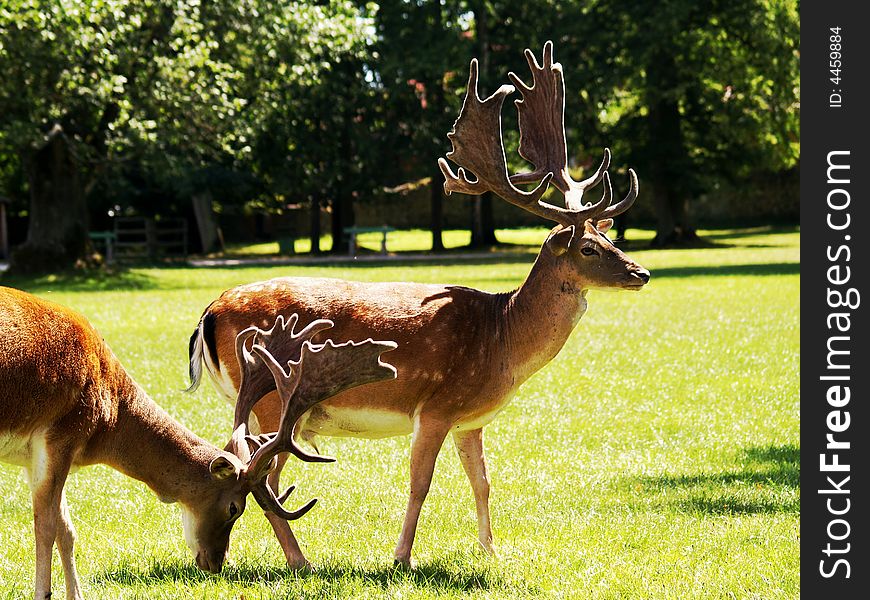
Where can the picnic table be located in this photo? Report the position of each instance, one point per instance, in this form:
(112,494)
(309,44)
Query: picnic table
(352,232)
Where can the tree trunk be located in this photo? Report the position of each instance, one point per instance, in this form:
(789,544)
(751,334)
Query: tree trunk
(483,222)
(4,233)
(437,105)
(342,204)
(314,221)
(436,203)
(57,233)
(209,232)
(342,216)
(669,160)
(482,219)
(340,242)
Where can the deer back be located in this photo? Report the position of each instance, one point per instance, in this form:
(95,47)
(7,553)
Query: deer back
(54,367)
(442,332)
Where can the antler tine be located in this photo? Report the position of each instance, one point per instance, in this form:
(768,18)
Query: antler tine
(281,334)
(478,148)
(280,340)
(249,384)
(589,182)
(541,116)
(624,204)
(337,368)
(593,211)
(267,500)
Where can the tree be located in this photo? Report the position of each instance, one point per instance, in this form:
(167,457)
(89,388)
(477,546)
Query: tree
(420,55)
(690,94)
(311,111)
(694,93)
(58,214)
(200,100)
(86,83)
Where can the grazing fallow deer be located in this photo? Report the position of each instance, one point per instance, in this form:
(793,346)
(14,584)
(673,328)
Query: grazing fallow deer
(462,353)
(66,402)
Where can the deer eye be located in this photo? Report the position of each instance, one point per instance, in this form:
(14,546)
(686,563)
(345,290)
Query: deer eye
(234,510)
(587,251)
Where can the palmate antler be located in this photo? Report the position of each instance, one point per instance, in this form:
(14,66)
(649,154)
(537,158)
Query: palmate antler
(305,375)
(478,148)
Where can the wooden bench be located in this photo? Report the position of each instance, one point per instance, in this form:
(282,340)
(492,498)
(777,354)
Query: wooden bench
(352,232)
(108,239)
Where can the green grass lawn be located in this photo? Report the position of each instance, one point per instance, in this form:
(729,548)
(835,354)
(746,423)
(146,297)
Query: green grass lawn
(656,457)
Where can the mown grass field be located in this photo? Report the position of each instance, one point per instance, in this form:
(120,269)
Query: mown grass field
(656,457)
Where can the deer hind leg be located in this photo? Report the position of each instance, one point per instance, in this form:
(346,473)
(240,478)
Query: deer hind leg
(66,537)
(425,444)
(46,478)
(289,545)
(469,446)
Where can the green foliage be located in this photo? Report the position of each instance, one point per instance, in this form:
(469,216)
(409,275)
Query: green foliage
(421,56)
(176,95)
(272,103)
(657,456)
(116,75)
(311,108)
(730,68)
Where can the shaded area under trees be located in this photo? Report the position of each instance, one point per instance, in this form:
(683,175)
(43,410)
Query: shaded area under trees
(156,106)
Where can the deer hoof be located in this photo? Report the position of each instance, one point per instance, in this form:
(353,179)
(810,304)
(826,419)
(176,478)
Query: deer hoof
(490,551)
(300,566)
(404,564)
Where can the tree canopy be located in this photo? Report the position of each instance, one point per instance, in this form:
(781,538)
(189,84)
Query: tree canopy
(147,103)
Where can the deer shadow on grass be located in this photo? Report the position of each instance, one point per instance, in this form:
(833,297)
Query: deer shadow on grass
(752,269)
(440,575)
(766,480)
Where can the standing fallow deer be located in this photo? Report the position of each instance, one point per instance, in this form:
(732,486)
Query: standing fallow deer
(462,353)
(66,402)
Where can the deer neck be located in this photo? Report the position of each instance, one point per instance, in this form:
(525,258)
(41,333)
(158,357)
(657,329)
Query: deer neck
(543,312)
(145,443)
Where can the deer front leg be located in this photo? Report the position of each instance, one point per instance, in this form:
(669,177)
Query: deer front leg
(292,552)
(425,445)
(46,479)
(469,446)
(66,536)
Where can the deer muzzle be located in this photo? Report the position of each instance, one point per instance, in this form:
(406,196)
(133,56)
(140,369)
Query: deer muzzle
(641,274)
(211,562)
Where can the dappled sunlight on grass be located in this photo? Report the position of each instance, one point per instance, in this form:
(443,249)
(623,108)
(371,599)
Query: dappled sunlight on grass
(658,455)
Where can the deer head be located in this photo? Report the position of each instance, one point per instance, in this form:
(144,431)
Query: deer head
(304,374)
(580,239)
(209,520)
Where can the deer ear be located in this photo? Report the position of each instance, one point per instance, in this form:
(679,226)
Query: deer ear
(604,225)
(559,242)
(222,468)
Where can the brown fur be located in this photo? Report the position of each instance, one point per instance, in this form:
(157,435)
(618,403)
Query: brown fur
(66,401)
(461,352)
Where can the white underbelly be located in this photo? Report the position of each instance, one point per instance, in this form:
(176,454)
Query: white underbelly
(478,421)
(357,422)
(15,449)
